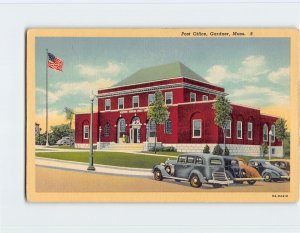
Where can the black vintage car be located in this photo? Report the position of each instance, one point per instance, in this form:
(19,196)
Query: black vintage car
(238,171)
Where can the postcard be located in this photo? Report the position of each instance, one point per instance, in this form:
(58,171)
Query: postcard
(162,115)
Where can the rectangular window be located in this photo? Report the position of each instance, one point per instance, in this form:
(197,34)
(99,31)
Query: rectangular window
(273,151)
(120,103)
(168,127)
(192,97)
(152,129)
(228,129)
(250,130)
(169,97)
(196,128)
(181,159)
(273,133)
(85,132)
(190,159)
(107,104)
(204,98)
(151,98)
(239,129)
(199,160)
(135,101)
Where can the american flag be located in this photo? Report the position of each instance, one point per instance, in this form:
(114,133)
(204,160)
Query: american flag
(54,62)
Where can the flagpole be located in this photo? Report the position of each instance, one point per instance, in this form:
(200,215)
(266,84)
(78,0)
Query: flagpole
(47,136)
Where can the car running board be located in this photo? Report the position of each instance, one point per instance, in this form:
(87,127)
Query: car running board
(245,179)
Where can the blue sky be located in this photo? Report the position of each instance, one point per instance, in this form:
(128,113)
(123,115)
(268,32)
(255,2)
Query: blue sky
(253,71)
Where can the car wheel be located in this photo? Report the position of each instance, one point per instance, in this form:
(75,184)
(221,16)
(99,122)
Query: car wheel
(157,175)
(267,177)
(251,182)
(195,181)
(168,169)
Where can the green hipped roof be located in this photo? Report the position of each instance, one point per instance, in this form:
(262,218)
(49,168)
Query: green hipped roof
(160,72)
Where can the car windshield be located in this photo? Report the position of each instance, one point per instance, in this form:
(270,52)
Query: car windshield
(265,163)
(215,162)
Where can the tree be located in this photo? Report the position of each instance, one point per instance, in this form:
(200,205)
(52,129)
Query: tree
(59,131)
(223,110)
(69,115)
(206,149)
(158,112)
(217,150)
(281,130)
(264,149)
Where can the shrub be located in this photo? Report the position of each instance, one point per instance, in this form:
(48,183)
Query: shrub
(264,149)
(165,149)
(227,153)
(218,150)
(206,149)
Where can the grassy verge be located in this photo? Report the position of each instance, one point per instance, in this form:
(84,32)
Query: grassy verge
(174,154)
(108,158)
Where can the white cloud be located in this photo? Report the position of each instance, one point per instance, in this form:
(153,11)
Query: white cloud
(66,89)
(218,73)
(52,96)
(280,76)
(254,95)
(94,71)
(250,69)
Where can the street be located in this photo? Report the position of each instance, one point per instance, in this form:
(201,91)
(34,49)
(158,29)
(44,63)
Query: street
(62,180)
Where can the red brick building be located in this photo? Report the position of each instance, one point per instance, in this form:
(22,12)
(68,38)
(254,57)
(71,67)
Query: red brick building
(122,110)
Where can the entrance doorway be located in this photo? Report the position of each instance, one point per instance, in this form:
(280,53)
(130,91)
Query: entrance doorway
(135,130)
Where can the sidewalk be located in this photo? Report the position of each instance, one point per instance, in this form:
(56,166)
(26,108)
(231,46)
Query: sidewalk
(100,169)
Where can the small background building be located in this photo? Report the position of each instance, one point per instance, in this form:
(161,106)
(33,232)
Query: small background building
(122,115)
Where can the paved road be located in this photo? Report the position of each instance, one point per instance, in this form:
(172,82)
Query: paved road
(61,180)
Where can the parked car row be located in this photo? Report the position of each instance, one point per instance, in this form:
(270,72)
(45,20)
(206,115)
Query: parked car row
(198,169)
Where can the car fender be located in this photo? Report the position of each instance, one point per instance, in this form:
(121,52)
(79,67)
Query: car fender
(162,170)
(202,179)
(274,174)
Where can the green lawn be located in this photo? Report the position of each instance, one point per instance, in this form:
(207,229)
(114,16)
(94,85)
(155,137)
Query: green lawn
(108,158)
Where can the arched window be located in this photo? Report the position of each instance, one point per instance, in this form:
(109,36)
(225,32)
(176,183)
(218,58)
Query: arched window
(265,133)
(122,125)
(168,126)
(106,129)
(273,133)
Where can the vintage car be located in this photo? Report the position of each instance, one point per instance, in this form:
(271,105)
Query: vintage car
(195,168)
(65,141)
(268,171)
(283,164)
(238,171)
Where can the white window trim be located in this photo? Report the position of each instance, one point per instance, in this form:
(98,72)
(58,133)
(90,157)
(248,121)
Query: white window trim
(193,94)
(200,128)
(229,131)
(149,99)
(237,129)
(251,130)
(84,127)
(166,97)
(119,104)
(206,96)
(138,101)
(264,133)
(109,105)
(272,133)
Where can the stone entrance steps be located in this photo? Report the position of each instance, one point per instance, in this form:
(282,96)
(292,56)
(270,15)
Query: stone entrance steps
(138,147)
